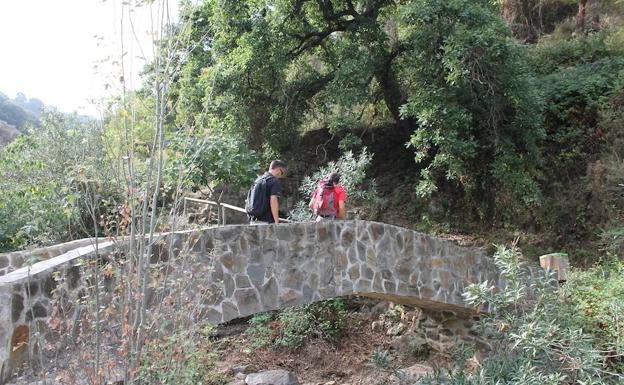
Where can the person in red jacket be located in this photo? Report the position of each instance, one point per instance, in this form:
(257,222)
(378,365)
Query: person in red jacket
(329,200)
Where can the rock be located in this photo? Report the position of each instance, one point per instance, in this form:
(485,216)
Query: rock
(236,382)
(396,329)
(377,326)
(46,382)
(415,372)
(557,262)
(411,345)
(380,308)
(244,369)
(271,377)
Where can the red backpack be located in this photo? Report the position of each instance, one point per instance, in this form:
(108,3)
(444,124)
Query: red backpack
(323,199)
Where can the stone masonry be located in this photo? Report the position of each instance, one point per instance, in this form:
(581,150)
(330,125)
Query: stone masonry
(259,268)
(12,261)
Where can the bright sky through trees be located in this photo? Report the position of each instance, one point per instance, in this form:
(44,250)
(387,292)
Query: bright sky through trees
(63,52)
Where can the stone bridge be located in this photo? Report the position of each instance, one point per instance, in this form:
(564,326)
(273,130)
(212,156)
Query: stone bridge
(253,269)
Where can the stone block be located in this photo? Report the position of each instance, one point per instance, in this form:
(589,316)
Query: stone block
(256,274)
(229,310)
(293,279)
(556,262)
(289,298)
(284,233)
(269,294)
(308,293)
(17,260)
(38,310)
(242,281)
(228,284)
(363,286)
(17,307)
(271,377)
(354,272)
(366,272)
(247,301)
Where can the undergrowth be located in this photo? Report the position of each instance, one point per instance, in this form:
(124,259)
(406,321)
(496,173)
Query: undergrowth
(293,327)
(538,339)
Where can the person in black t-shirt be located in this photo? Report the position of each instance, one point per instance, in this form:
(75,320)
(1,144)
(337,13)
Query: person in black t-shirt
(277,170)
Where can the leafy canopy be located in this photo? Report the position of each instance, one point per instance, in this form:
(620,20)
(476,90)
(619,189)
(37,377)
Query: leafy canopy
(447,74)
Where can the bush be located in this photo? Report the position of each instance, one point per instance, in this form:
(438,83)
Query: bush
(203,160)
(46,178)
(293,327)
(551,55)
(476,108)
(536,338)
(596,296)
(361,193)
(180,358)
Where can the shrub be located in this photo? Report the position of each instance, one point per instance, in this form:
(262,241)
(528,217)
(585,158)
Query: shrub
(551,55)
(200,160)
(293,327)
(535,337)
(46,179)
(360,192)
(596,296)
(476,109)
(186,358)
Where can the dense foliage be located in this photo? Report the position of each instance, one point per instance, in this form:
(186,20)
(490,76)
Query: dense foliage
(362,197)
(596,296)
(295,326)
(535,337)
(45,177)
(477,108)
(446,73)
(582,80)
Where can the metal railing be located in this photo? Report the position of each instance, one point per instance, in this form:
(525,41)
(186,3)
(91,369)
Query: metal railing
(221,209)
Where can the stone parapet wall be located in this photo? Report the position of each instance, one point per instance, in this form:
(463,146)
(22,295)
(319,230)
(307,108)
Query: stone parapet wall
(14,260)
(250,269)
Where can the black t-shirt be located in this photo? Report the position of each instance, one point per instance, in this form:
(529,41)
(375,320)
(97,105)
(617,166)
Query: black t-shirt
(273,187)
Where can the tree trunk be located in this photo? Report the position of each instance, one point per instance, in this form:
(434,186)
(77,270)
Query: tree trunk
(391,91)
(580,16)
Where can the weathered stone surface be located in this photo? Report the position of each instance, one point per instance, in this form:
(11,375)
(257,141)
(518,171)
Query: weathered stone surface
(269,294)
(293,279)
(247,301)
(411,345)
(228,284)
(230,311)
(288,298)
(17,306)
(213,316)
(39,310)
(256,274)
(242,281)
(271,377)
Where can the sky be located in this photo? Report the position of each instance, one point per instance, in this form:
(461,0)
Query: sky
(63,52)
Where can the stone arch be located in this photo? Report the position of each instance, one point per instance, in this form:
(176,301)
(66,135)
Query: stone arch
(252,269)
(261,268)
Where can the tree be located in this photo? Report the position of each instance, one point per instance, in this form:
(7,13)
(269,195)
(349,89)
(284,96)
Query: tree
(478,111)
(447,73)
